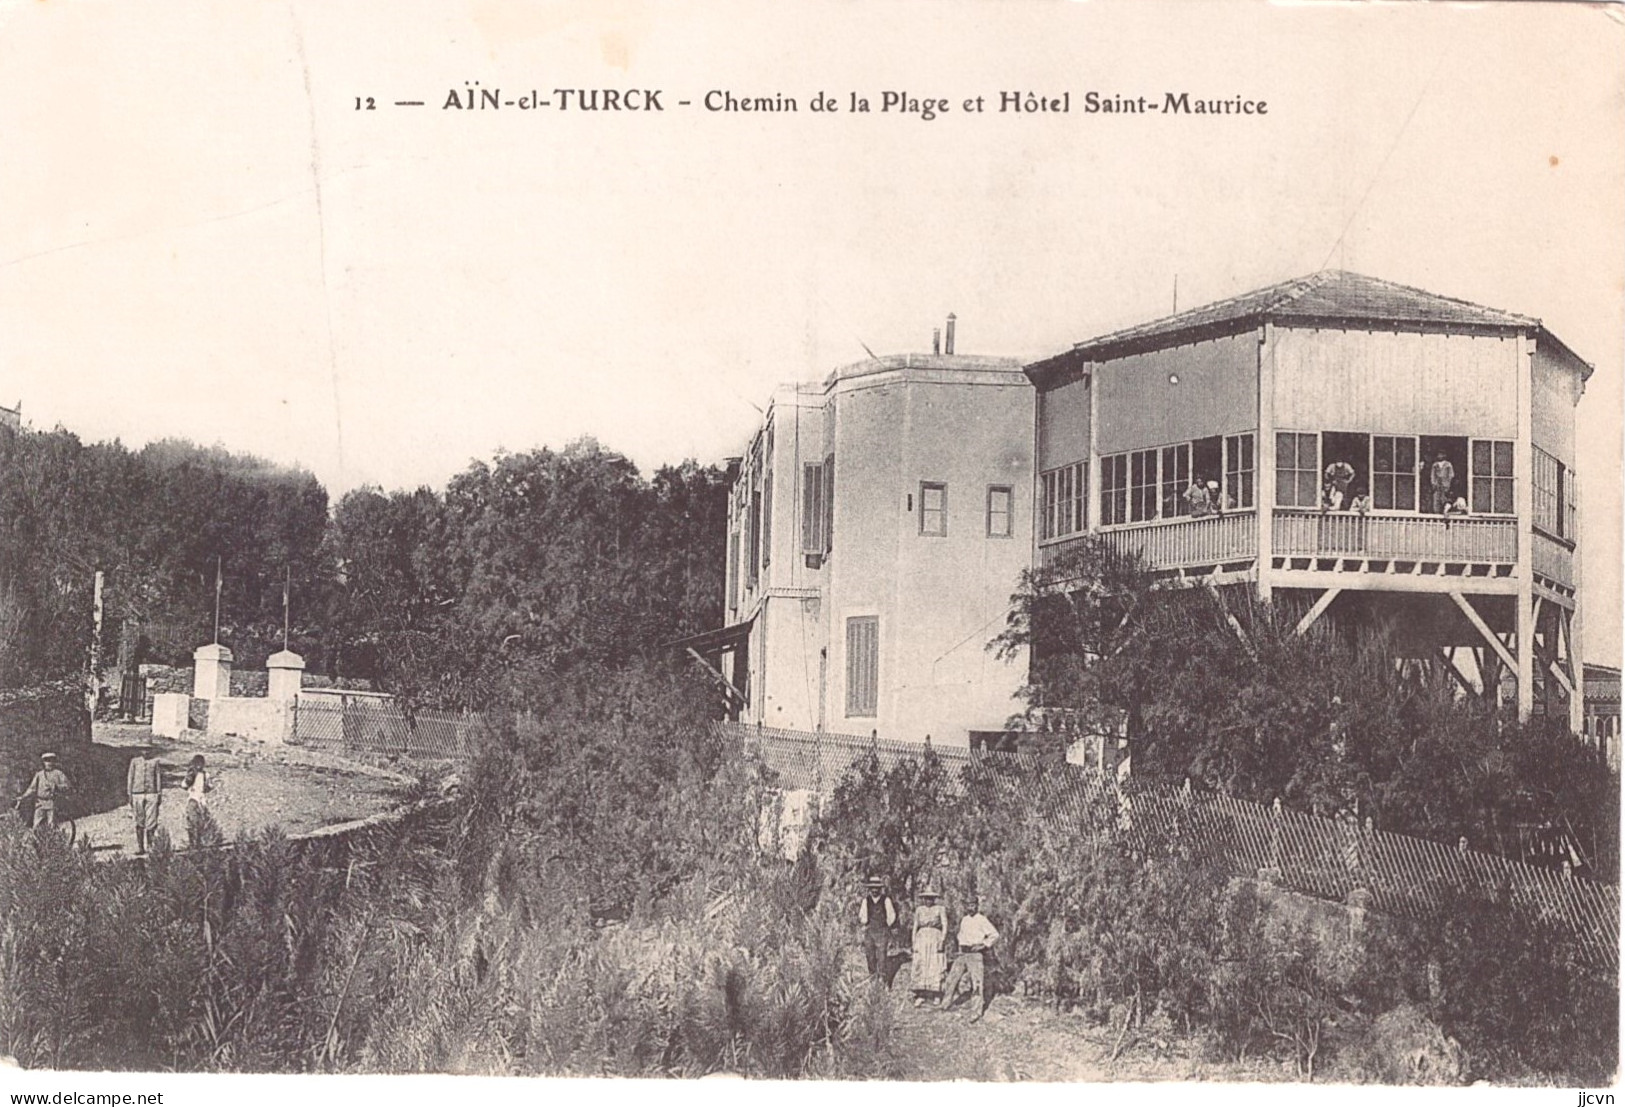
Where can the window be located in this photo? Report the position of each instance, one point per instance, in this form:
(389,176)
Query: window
(1000,501)
(862,665)
(733,571)
(1297,470)
(1548,493)
(1238,471)
(1492,477)
(755,551)
(812,509)
(1065,491)
(1393,472)
(1567,497)
(1176,477)
(933,509)
(829,502)
(1142,485)
(1113,490)
(767,520)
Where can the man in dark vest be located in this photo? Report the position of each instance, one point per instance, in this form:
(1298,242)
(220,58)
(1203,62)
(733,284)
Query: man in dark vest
(877,914)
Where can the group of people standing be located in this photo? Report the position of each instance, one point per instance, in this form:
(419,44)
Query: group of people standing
(1339,491)
(933,978)
(144,786)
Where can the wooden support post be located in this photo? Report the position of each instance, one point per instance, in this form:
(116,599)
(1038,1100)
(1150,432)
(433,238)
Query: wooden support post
(1562,678)
(1576,671)
(714,671)
(1524,664)
(1317,610)
(1461,679)
(1483,629)
(1264,461)
(1524,509)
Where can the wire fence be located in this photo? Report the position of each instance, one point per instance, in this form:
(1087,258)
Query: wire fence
(353,727)
(1328,858)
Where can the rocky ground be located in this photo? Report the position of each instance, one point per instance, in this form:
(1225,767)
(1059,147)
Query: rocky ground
(253,786)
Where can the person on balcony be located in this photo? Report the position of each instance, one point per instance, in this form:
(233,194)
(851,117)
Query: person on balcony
(1339,475)
(1197,499)
(1441,479)
(1221,503)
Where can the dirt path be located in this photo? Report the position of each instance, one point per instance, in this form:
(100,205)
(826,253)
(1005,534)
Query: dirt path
(253,786)
(1020,1039)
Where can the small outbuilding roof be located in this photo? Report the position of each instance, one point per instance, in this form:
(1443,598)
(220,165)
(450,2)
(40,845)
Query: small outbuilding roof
(1331,298)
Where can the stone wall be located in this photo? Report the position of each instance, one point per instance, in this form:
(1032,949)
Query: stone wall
(253,717)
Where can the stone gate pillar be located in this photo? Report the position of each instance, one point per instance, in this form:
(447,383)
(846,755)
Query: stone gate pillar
(284,676)
(211,672)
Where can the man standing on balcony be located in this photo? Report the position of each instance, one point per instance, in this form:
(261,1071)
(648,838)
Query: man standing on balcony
(1339,475)
(1197,502)
(1441,478)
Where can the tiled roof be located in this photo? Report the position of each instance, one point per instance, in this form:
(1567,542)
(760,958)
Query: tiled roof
(1332,296)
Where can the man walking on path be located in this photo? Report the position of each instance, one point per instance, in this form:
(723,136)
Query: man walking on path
(976,937)
(145,784)
(47,787)
(877,914)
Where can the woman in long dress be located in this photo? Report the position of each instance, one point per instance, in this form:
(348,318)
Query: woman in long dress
(930,959)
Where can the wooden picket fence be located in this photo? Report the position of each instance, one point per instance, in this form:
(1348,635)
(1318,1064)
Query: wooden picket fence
(1328,858)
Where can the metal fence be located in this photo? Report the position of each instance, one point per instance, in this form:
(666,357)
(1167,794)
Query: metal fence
(376,729)
(1328,858)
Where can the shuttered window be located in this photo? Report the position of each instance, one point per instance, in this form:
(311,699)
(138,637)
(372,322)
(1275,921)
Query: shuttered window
(862,665)
(812,509)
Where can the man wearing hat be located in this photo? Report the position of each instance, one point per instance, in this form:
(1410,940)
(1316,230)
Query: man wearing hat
(144,783)
(48,785)
(877,914)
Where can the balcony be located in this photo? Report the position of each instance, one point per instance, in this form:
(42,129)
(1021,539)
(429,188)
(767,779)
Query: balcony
(1411,538)
(1191,543)
(1554,560)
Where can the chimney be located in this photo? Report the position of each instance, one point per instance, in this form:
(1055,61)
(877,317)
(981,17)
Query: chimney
(948,345)
(936,340)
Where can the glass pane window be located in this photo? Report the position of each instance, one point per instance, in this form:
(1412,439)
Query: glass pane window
(1297,469)
(1492,477)
(999,503)
(933,509)
(1063,492)
(1114,490)
(1238,471)
(1142,487)
(1393,472)
(1176,477)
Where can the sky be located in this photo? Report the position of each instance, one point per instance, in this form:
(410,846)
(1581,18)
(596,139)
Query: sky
(201,235)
